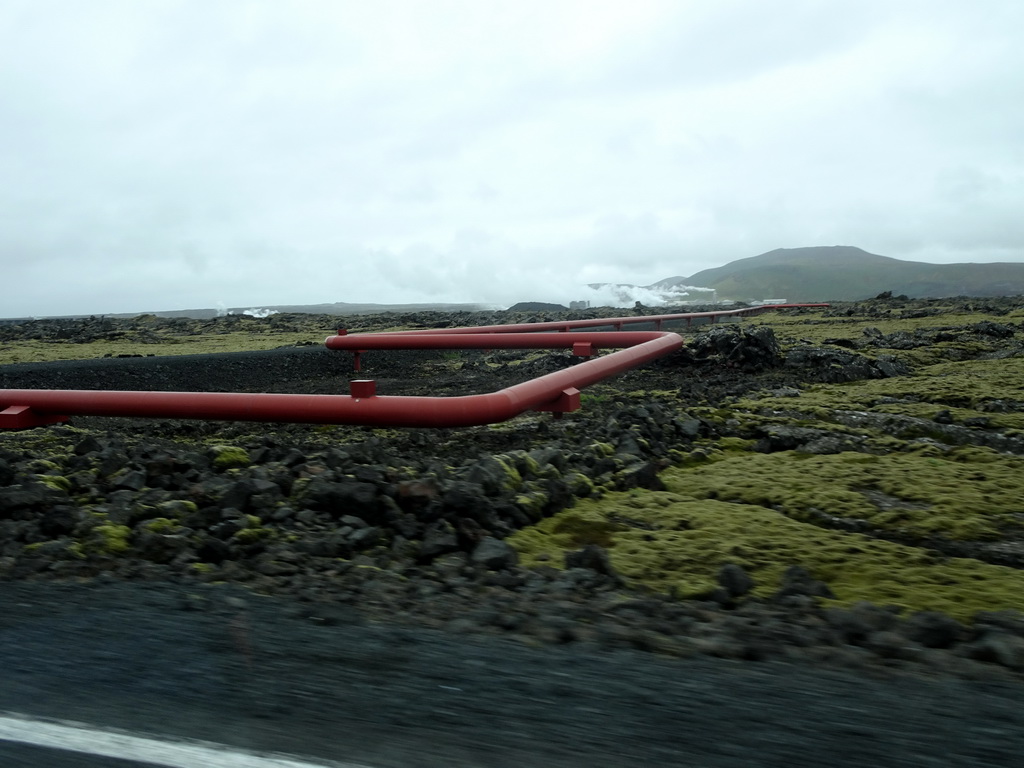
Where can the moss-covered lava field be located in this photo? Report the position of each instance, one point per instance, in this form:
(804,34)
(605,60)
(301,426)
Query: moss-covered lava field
(876,447)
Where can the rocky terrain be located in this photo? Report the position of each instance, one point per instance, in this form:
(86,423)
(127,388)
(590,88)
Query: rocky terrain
(839,488)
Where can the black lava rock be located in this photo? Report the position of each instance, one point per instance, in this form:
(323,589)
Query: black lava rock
(592,557)
(494,554)
(735,580)
(797,581)
(934,630)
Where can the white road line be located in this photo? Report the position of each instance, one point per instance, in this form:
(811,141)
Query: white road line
(80,737)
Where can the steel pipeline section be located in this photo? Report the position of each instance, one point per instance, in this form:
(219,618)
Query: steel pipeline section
(557,392)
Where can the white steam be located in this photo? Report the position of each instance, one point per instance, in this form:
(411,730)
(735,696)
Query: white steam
(260,313)
(612,295)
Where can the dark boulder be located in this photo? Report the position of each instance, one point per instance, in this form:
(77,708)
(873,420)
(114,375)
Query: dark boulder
(344,498)
(365,538)
(494,475)
(998,648)
(797,581)
(494,554)
(995,330)
(27,496)
(832,365)
(643,475)
(86,445)
(211,550)
(160,547)
(749,349)
(735,580)
(440,538)
(59,521)
(465,499)
(934,630)
(416,495)
(592,558)
(7,473)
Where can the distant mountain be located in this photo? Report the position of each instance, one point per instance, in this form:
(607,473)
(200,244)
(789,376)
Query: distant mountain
(845,273)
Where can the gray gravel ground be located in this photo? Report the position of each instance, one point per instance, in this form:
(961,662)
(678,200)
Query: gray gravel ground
(219,664)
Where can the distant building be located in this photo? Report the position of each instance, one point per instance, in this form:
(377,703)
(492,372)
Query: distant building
(766,302)
(579,305)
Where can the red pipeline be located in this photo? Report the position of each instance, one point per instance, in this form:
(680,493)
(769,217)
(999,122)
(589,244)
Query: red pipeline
(558,392)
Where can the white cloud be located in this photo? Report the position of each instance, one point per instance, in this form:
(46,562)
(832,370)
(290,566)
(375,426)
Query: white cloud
(178,153)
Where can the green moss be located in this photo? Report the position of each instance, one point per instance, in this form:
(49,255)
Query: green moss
(735,444)
(162,525)
(43,465)
(579,484)
(177,508)
(27,351)
(816,329)
(56,482)
(230,456)
(918,494)
(669,542)
(697,457)
(676,456)
(299,490)
(253,535)
(570,529)
(532,503)
(524,464)
(513,480)
(548,472)
(965,389)
(107,539)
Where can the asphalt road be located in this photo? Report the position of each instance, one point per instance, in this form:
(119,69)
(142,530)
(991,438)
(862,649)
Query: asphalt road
(215,664)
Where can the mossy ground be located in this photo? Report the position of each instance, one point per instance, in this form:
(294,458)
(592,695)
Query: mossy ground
(967,389)
(253,340)
(761,510)
(971,496)
(816,328)
(768,511)
(673,542)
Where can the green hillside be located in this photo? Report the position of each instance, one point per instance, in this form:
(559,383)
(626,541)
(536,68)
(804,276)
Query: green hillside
(846,273)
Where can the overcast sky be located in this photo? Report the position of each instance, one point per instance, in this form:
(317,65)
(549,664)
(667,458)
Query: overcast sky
(163,155)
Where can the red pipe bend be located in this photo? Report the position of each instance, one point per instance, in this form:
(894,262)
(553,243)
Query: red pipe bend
(386,411)
(558,391)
